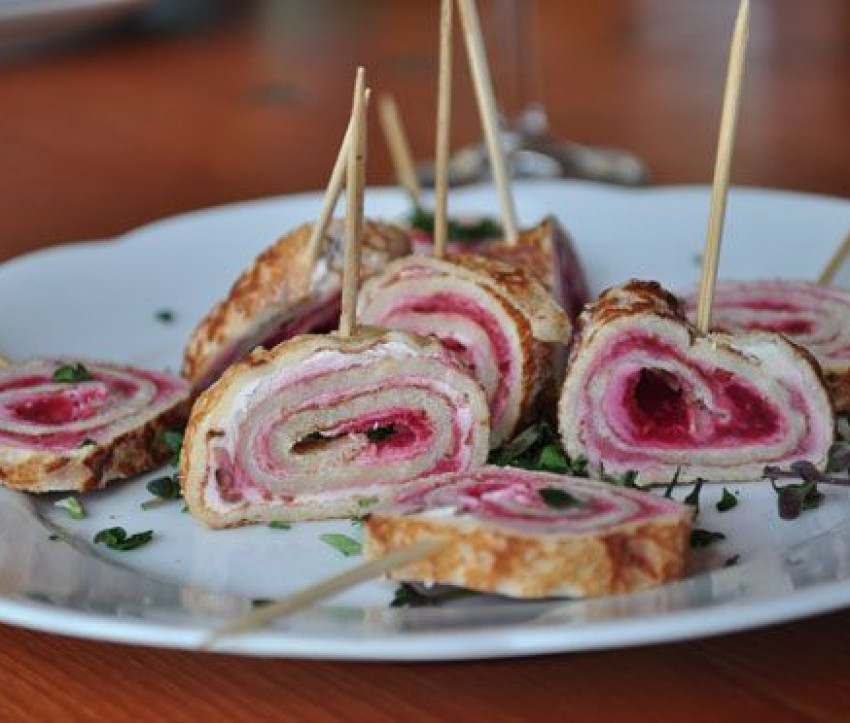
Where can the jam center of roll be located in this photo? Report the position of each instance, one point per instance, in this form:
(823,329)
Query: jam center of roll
(385,433)
(60,407)
(791,327)
(657,406)
(661,410)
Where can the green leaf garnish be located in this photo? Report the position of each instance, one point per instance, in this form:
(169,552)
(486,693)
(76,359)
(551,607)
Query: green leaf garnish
(727,501)
(260,602)
(379,434)
(367,501)
(280,525)
(792,500)
(459,229)
(559,499)
(163,489)
(70,373)
(704,538)
(407,596)
(839,457)
(173,441)
(732,561)
(116,538)
(552,459)
(693,497)
(348,546)
(73,507)
(168,488)
(166,316)
(668,493)
(538,448)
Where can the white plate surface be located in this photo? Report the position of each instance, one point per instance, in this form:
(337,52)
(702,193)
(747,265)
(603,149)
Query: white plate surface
(100,299)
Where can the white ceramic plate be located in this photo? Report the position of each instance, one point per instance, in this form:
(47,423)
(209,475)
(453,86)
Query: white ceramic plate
(100,299)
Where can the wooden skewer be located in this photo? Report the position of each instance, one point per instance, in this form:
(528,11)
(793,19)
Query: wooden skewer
(264,616)
(444,114)
(332,193)
(835,263)
(399,148)
(354,217)
(477,56)
(720,187)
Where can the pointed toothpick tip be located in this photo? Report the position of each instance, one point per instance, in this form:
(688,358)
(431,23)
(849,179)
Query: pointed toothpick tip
(355,173)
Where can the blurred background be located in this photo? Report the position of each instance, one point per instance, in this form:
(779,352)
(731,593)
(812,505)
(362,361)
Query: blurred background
(117,112)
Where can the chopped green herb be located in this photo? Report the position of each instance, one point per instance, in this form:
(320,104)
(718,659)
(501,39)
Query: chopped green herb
(379,434)
(173,441)
(87,442)
(73,507)
(577,467)
(116,538)
(166,316)
(732,561)
(167,488)
(668,493)
(552,459)
(70,373)
(357,520)
(727,501)
(693,497)
(164,490)
(367,501)
(280,525)
(537,448)
(260,602)
(348,546)
(792,500)
(839,457)
(407,596)
(53,537)
(185,508)
(459,229)
(559,499)
(704,538)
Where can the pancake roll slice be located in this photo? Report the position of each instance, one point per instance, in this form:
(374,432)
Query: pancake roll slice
(645,391)
(320,425)
(533,534)
(77,425)
(814,316)
(498,321)
(281,296)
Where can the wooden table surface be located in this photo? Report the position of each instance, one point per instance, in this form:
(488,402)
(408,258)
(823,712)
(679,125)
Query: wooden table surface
(98,137)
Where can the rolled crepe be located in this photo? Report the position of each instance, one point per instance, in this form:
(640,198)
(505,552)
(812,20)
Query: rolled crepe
(497,320)
(306,430)
(279,297)
(533,534)
(645,391)
(545,251)
(814,316)
(81,435)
